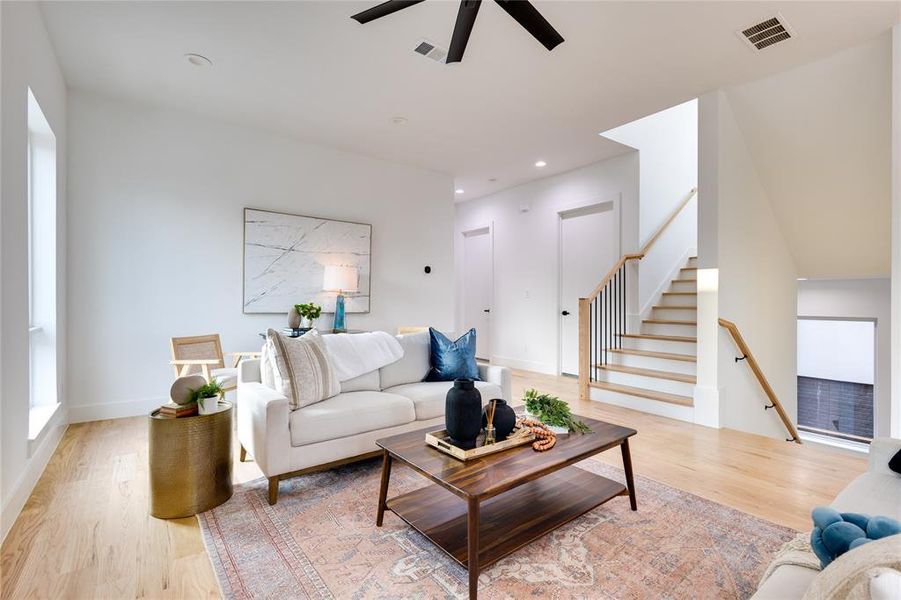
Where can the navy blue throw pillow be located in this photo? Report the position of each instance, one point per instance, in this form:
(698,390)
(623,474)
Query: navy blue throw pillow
(452,360)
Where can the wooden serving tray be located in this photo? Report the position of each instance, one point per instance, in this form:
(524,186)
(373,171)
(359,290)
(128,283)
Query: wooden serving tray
(440,441)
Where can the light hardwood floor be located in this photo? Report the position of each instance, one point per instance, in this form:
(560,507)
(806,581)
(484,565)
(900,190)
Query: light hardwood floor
(85,531)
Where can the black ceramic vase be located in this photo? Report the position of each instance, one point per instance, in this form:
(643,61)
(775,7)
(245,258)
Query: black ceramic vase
(463,414)
(504,419)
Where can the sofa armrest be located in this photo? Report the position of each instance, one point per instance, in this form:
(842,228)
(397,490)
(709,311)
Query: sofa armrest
(499,376)
(263,427)
(881,451)
(249,371)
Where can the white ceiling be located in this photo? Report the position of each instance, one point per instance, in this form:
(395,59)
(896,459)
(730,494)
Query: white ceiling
(820,136)
(308,70)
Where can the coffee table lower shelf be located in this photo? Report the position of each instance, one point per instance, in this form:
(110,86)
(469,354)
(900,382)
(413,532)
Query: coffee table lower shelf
(509,520)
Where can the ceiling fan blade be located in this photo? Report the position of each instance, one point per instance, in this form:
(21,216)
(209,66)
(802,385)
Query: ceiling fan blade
(466,18)
(529,17)
(383,9)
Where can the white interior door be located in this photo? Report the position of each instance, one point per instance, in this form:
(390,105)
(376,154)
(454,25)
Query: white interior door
(589,247)
(477,284)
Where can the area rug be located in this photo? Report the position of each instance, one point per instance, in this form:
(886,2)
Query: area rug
(320,541)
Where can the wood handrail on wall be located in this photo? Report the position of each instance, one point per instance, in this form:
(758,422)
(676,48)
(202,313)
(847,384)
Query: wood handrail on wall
(732,328)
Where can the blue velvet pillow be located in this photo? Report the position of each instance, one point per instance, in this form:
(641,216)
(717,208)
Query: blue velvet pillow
(452,360)
(835,533)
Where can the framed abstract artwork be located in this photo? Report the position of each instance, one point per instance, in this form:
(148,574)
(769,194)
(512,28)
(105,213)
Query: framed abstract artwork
(285,258)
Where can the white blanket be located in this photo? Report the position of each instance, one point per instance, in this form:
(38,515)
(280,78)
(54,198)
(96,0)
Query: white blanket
(354,354)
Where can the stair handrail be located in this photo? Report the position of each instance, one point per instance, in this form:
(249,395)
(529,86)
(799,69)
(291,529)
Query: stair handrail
(747,355)
(645,249)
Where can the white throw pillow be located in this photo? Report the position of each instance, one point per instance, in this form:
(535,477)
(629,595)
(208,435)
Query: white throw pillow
(303,372)
(267,365)
(413,366)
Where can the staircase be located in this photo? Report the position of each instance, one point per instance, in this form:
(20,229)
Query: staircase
(656,365)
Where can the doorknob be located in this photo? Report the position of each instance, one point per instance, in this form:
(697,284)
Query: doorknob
(565,313)
(488,310)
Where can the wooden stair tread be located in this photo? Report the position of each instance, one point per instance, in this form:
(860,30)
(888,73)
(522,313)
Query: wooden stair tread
(683,377)
(690,280)
(669,322)
(643,393)
(680,307)
(655,354)
(654,336)
(680,293)
(688,269)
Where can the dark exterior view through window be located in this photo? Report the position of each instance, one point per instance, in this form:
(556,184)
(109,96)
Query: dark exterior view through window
(836,377)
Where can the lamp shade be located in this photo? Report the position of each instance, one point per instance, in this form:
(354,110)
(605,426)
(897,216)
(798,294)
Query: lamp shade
(339,279)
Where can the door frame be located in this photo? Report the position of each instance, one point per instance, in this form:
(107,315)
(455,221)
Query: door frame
(470,231)
(577,208)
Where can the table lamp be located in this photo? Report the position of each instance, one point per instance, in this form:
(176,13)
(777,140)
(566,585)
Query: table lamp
(339,279)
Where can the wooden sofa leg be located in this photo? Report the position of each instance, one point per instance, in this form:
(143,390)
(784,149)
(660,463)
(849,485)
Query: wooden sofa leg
(243,453)
(273,490)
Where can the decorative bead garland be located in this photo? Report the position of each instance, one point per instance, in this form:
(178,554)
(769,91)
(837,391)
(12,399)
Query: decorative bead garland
(545,438)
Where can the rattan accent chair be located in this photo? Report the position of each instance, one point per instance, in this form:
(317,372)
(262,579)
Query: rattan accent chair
(202,354)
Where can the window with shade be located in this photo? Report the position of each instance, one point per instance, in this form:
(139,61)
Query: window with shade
(42,332)
(837,377)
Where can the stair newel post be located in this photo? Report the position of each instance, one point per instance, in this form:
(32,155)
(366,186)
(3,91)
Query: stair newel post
(585,346)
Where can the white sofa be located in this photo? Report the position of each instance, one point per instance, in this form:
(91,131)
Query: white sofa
(876,492)
(344,428)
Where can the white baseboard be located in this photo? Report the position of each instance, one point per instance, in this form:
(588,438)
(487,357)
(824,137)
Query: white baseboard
(38,462)
(524,365)
(114,410)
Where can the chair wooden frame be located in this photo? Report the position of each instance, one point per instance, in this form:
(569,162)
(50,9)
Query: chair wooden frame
(184,366)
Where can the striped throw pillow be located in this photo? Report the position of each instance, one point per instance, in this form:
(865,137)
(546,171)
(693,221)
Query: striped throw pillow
(303,372)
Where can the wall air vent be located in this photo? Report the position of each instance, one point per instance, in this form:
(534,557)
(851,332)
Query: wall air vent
(430,50)
(766,33)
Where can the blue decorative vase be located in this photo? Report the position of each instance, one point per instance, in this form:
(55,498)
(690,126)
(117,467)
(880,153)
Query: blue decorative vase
(463,414)
(339,326)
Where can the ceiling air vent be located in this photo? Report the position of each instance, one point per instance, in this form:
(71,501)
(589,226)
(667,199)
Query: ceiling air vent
(766,33)
(430,50)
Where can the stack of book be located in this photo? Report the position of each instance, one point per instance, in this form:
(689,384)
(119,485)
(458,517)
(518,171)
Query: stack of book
(294,331)
(174,411)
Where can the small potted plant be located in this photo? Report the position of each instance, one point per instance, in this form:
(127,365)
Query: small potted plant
(308,312)
(207,397)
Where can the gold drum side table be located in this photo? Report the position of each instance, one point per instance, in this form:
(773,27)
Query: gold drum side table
(190,463)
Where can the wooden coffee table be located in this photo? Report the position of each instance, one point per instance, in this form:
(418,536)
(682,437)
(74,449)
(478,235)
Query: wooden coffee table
(508,499)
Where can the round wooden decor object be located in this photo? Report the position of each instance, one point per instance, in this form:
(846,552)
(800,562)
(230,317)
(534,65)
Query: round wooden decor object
(180,392)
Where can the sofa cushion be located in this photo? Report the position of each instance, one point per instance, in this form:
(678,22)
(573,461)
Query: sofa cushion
(347,414)
(413,365)
(871,494)
(788,581)
(366,382)
(429,396)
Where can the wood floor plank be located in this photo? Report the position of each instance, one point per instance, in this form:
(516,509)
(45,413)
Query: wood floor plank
(85,532)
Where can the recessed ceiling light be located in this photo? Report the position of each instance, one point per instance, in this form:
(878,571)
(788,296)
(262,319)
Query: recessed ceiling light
(198,60)
(540,164)
(399,120)
(459,190)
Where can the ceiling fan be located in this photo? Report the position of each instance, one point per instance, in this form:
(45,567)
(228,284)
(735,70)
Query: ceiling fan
(521,10)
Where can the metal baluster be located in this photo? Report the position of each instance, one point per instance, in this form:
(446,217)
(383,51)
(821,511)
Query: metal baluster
(622,314)
(590,342)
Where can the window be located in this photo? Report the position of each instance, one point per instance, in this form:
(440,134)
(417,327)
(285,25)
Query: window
(43,395)
(836,377)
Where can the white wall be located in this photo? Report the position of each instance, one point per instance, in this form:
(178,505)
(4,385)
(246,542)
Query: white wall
(156,229)
(756,282)
(667,144)
(857,298)
(524,314)
(28,60)
(896,233)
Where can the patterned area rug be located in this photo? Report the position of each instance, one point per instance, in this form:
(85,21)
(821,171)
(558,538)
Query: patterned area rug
(320,541)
